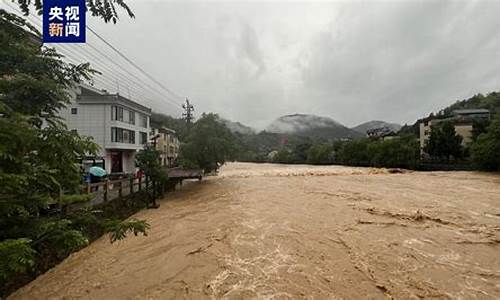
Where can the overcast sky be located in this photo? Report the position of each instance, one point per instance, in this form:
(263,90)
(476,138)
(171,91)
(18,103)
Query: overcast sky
(352,61)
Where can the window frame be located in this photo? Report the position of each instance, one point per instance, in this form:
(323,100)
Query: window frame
(144,121)
(131,137)
(122,135)
(143,137)
(116,113)
(131,117)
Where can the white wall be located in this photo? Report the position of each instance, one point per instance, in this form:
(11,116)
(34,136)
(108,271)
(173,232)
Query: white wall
(129,161)
(93,119)
(90,120)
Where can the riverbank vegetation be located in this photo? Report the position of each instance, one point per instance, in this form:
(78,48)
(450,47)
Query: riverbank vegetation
(41,183)
(444,149)
(211,144)
(208,144)
(395,153)
(486,148)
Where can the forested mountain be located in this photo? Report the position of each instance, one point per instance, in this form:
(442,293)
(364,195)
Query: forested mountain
(364,127)
(312,126)
(237,127)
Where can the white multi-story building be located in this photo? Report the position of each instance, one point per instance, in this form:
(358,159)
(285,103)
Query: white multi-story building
(118,125)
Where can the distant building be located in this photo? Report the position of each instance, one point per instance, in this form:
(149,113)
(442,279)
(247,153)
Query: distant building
(167,144)
(380,133)
(472,113)
(117,124)
(462,120)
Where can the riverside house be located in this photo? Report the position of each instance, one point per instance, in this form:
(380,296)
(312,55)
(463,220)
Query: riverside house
(167,144)
(117,124)
(462,120)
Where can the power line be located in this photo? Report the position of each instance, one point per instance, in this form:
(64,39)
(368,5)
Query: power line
(132,63)
(131,74)
(106,82)
(100,64)
(71,55)
(140,93)
(114,71)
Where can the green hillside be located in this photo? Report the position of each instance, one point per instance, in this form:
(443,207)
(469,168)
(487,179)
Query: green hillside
(491,101)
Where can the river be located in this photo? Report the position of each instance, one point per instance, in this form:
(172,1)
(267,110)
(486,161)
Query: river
(279,231)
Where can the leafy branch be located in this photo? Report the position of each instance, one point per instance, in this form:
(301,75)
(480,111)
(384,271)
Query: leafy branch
(118,230)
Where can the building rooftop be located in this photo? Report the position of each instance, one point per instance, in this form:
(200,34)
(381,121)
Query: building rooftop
(163,129)
(91,95)
(471,111)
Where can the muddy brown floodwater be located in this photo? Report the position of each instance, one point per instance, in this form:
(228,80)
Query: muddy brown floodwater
(277,231)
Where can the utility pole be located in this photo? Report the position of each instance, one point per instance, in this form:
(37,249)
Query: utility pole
(188,115)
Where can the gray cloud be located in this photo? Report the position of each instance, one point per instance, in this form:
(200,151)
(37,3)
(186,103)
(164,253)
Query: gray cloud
(352,61)
(401,61)
(251,49)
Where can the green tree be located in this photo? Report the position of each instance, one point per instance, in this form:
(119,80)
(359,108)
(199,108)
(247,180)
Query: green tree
(402,152)
(37,164)
(148,160)
(208,145)
(444,142)
(38,171)
(354,153)
(284,156)
(486,149)
(320,154)
(300,152)
(479,126)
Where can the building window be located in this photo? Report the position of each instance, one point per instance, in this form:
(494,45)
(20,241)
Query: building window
(131,117)
(117,113)
(125,135)
(131,136)
(143,138)
(116,135)
(74,110)
(144,121)
(120,135)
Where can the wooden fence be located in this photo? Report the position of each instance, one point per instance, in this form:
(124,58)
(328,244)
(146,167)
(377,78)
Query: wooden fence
(111,189)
